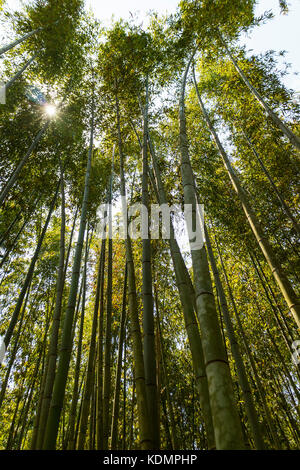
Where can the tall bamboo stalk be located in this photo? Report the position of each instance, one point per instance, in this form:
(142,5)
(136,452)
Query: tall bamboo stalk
(293,138)
(108,339)
(187,298)
(99,406)
(12,180)
(116,402)
(20,72)
(148,316)
(250,356)
(143,415)
(241,370)
(75,395)
(52,351)
(29,274)
(18,41)
(283,204)
(280,277)
(66,341)
(173,431)
(227,427)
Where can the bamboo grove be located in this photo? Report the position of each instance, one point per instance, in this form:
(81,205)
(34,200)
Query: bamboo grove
(133,342)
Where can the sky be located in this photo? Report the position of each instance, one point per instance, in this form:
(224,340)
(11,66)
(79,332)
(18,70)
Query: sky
(281,33)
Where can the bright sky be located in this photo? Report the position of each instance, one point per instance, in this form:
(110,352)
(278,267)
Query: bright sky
(281,33)
(121,8)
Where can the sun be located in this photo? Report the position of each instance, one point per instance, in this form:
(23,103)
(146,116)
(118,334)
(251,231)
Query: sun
(50,110)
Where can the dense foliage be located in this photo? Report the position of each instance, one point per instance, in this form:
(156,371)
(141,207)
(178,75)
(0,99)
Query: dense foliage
(143,344)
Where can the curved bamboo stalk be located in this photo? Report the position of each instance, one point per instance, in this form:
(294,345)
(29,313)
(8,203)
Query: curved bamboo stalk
(293,138)
(282,281)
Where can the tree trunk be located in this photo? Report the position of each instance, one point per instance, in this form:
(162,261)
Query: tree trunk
(75,396)
(241,371)
(52,351)
(99,412)
(107,347)
(143,416)
(173,433)
(19,73)
(282,281)
(10,183)
(18,41)
(10,250)
(227,427)
(30,271)
(90,377)
(187,298)
(283,204)
(251,360)
(66,341)
(293,138)
(15,348)
(148,317)
(116,403)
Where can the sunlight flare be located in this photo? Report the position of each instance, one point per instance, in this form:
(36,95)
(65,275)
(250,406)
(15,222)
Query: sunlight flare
(50,110)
